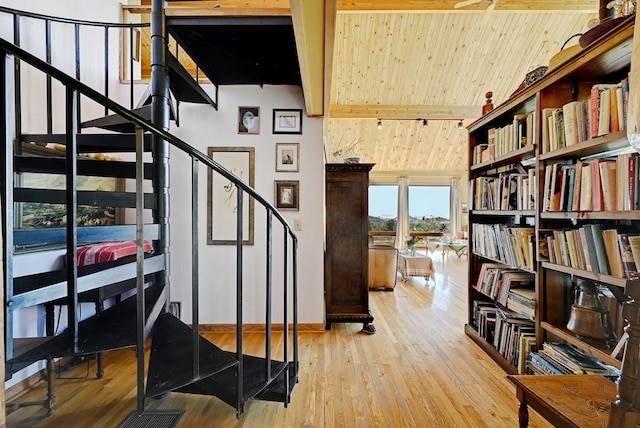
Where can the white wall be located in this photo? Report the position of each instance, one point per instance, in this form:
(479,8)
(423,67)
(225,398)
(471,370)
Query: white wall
(202,127)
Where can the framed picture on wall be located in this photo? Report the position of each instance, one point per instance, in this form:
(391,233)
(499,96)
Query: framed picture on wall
(287,121)
(222,197)
(287,157)
(248,120)
(287,195)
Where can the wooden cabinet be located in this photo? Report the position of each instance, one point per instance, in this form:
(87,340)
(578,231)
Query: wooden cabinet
(346,259)
(555,254)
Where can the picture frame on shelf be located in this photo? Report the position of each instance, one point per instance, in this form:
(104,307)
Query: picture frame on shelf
(287,195)
(249,120)
(222,199)
(287,157)
(287,121)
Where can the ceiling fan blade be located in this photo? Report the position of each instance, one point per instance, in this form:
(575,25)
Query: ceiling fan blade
(465,3)
(492,5)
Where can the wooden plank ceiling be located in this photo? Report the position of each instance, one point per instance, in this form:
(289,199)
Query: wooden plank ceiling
(408,59)
(400,60)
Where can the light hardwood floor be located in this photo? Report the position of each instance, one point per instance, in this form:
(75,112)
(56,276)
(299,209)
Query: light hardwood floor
(418,370)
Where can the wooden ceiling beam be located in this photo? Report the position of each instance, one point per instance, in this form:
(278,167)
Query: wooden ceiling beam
(404,112)
(230,8)
(308,28)
(585,6)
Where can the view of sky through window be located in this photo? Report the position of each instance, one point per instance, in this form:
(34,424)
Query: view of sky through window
(424,201)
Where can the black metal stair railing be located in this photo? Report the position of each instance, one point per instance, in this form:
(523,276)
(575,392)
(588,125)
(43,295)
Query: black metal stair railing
(281,371)
(182,85)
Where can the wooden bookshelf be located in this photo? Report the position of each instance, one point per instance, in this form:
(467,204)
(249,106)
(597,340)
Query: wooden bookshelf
(606,60)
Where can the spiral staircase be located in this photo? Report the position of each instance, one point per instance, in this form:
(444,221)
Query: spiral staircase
(136,287)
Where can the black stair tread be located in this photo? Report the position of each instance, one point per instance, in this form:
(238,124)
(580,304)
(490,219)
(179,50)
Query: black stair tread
(86,143)
(276,391)
(113,328)
(183,86)
(172,358)
(20,346)
(32,292)
(94,198)
(224,385)
(117,123)
(86,166)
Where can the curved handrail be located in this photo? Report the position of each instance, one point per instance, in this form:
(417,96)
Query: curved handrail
(74,21)
(134,118)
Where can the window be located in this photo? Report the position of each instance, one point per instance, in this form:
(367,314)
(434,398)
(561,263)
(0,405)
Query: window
(428,209)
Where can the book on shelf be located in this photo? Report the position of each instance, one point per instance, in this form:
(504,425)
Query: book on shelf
(634,243)
(546,131)
(612,247)
(527,346)
(523,301)
(539,366)
(512,279)
(628,261)
(573,358)
(598,246)
(586,197)
(570,114)
(587,251)
(608,182)
(600,109)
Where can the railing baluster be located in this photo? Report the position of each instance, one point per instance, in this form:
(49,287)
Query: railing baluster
(77,44)
(140,302)
(17,116)
(294,257)
(131,104)
(195,268)
(6,116)
(49,89)
(239,285)
(285,322)
(106,66)
(72,218)
(269,292)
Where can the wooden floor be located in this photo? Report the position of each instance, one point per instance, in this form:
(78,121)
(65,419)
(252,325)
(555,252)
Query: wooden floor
(418,370)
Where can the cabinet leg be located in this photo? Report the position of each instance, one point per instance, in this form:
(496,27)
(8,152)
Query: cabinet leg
(368,328)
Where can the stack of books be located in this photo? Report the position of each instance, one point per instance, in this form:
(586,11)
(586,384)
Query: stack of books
(562,358)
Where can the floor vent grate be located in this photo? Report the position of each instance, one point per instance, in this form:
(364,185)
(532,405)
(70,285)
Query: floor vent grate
(158,419)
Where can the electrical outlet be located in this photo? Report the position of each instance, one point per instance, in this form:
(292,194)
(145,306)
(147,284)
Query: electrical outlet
(297,224)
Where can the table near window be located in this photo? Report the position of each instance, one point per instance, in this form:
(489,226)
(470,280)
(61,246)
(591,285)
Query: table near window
(459,246)
(409,265)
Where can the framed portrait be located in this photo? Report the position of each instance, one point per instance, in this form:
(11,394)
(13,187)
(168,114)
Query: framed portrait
(222,202)
(287,157)
(287,121)
(248,120)
(287,195)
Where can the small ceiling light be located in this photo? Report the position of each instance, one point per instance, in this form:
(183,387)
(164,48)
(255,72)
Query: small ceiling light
(379,123)
(460,125)
(425,122)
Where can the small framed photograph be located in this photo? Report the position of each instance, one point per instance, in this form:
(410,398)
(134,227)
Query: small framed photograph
(287,195)
(248,120)
(287,121)
(287,157)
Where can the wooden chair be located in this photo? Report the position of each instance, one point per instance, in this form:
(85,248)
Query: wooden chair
(590,400)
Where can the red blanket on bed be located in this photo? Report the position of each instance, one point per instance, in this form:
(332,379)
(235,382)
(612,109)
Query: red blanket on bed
(108,251)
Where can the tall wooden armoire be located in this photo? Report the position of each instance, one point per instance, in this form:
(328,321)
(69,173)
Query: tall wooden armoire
(346,258)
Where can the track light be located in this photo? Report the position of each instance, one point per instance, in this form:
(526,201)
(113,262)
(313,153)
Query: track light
(425,122)
(460,125)
(379,123)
